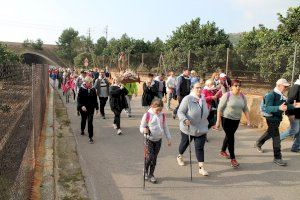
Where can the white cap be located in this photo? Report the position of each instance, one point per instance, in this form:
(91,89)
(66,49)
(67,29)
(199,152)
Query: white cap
(282,81)
(222,75)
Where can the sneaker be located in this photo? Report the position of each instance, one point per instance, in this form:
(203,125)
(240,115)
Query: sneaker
(103,116)
(91,141)
(180,160)
(234,163)
(152,179)
(295,150)
(224,154)
(129,115)
(203,171)
(82,133)
(259,149)
(119,132)
(280,162)
(115,126)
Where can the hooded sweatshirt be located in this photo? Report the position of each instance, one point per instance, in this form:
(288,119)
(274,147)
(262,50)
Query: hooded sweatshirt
(157,126)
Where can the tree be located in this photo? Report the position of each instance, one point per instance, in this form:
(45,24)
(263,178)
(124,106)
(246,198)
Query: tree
(202,40)
(79,60)
(289,26)
(8,57)
(38,44)
(100,46)
(67,44)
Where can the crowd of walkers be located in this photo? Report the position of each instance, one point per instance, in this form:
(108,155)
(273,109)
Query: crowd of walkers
(202,105)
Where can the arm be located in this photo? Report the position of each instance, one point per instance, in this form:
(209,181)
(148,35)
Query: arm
(269,101)
(95,100)
(179,81)
(143,124)
(183,109)
(221,107)
(135,89)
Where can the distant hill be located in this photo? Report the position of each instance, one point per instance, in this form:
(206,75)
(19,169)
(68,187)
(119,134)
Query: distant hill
(235,38)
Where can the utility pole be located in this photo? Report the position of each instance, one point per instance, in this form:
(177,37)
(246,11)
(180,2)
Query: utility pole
(89,33)
(106,32)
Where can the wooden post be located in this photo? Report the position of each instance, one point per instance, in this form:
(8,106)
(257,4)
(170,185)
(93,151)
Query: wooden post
(189,59)
(227,62)
(294,64)
(142,59)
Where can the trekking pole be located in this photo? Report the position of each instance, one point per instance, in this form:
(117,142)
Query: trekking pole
(190,153)
(145,152)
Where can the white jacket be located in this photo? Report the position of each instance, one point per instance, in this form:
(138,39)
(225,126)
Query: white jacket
(156,125)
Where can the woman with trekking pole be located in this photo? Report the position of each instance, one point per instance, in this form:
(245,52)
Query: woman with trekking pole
(192,114)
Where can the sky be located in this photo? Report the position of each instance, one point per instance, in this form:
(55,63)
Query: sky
(140,19)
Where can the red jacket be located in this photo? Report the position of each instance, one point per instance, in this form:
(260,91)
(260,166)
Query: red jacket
(209,94)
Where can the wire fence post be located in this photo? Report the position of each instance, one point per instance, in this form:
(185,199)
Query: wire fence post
(227,62)
(142,59)
(189,59)
(294,64)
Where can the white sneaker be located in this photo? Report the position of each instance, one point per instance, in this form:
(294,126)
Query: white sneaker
(119,132)
(203,171)
(180,160)
(115,126)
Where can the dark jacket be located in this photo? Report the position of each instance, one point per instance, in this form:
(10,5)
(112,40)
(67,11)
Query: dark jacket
(148,94)
(272,102)
(294,94)
(98,86)
(117,98)
(183,87)
(88,98)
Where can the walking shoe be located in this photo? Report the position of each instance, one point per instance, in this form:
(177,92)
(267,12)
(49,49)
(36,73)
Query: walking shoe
(259,149)
(295,150)
(203,171)
(82,133)
(180,160)
(234,163)
(91,141)
(103,116)
(129,115)
(119,132)
(115,126)
(152,179)
(224,154)
(280,162)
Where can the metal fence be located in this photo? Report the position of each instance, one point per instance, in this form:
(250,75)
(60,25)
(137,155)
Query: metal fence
(250,65)
(23,97)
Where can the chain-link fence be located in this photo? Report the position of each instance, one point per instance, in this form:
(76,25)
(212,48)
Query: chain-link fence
(263,66)
(23,96)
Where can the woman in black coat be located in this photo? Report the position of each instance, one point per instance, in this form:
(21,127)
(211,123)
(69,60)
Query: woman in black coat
(150,90)
(117,103)
(86,105)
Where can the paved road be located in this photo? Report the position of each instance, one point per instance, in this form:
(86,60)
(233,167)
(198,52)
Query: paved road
(112,166)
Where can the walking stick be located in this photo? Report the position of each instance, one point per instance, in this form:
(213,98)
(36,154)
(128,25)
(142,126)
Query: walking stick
(190,154)
(145,153)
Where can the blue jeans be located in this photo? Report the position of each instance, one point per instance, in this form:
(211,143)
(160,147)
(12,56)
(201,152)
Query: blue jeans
(295,131)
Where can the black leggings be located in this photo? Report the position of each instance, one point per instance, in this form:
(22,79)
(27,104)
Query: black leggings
(230,126)
(151,152)
(89,117)
(117,119)
(199,145)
